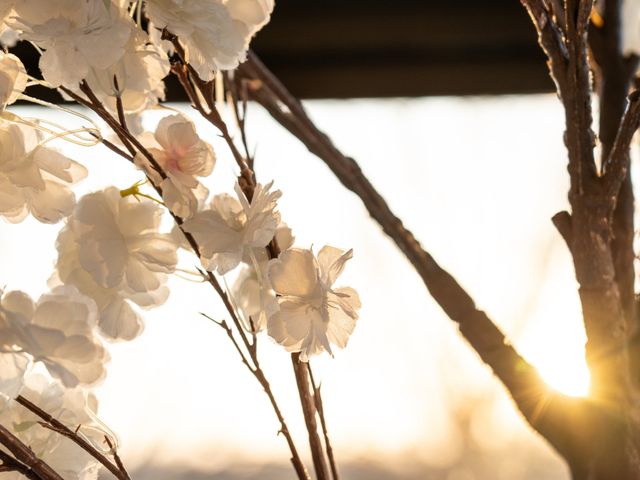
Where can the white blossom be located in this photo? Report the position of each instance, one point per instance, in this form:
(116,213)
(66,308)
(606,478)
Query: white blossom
(183,156)
(58,330)
(13,368)
(76,36)
(8,36)
(254,14)
(112,251)
(33,177)
(229,227)
(215,34)
(312,314)
(70,406)
(13,79)
(139,73)
(252,291)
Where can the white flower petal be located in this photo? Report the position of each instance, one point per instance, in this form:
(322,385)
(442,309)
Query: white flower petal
(294,273)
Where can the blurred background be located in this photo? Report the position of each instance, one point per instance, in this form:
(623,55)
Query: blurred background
(446,107)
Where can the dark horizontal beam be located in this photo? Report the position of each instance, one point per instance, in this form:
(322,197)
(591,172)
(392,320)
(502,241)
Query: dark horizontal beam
(382,48)
(376,48)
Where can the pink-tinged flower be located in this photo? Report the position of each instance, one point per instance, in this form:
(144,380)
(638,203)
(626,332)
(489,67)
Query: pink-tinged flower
(112,251)
(231,227)
(183,156)
(34,178)
(312,314)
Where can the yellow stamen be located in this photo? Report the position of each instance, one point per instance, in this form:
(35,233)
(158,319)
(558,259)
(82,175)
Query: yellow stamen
(134,191)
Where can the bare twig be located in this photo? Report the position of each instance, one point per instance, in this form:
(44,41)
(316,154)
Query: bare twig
(119,104)
(189,78)
(309,411)
(57,426)
(317,396)
(26,457)
(616,168)
(10,464)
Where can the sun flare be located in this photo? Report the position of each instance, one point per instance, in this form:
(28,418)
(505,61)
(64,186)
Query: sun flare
(565,371)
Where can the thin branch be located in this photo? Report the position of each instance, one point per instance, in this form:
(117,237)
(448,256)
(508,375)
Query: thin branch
(617,165)
(309,411)
(119,105)
(116,456)
(189,78)
(537,402)
(613,72)
(57,426)
(239,97)
(10,464)
(26,457)
(317,396)
(550,36)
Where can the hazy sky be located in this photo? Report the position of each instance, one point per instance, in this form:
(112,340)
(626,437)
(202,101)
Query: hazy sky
(477,180)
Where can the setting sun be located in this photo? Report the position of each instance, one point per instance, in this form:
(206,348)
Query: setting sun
(565,375)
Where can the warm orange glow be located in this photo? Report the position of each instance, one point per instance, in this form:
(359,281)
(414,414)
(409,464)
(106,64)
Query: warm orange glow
(565,375)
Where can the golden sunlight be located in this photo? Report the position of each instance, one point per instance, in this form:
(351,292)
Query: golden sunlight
(565,374)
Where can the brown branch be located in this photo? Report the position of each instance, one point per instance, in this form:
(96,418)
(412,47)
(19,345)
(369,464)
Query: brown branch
(536,401)
(57,426)
(617,164)
(550,37)
(10,464)
(309,411)
(116,457)
(239,97)
(26,457)
(613,75)
(188,79)
(317,397)
(119,105)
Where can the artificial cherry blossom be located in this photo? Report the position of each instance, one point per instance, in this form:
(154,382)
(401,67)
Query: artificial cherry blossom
(252,291)
(112,250)
(183,156)
(13,79)
(76,36)
(33,177)
(139,74)
(312,314)
(229,227)
(215,34)
(59,331)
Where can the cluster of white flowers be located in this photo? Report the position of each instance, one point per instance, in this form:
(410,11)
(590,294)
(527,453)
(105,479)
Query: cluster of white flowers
(112,251)
(113,258)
